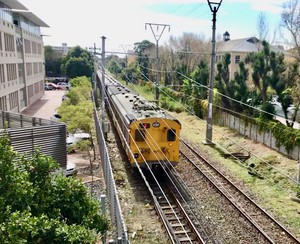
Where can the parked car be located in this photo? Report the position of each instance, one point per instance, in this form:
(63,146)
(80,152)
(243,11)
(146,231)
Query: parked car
(63,85)
(48,87)
(73,138)
(55,117)
(52,86)
(70,169)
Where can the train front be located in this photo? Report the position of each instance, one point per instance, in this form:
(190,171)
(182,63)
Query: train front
(154,140)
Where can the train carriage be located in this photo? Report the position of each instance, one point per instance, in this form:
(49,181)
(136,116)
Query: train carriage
(149,135)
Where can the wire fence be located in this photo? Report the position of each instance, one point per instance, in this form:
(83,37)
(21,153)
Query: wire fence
(116,216)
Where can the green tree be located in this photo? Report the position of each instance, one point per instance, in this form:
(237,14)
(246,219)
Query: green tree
(53,60)
(200,92)
(143,50)
(240,88)
(223,83)
(268,68)
(37,206)
(77,112)
(78,62)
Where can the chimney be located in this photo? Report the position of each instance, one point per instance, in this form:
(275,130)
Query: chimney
(226,37)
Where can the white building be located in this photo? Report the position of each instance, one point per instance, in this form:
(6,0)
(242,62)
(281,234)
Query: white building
(22,59)
(64,49)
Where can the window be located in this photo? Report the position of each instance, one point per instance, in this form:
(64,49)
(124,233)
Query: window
(140,135)
(2,78)
(171,135)
(237,59)
(9,42)
(3,104)
(11,72)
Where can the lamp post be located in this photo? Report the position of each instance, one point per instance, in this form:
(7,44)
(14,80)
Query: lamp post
(214,7)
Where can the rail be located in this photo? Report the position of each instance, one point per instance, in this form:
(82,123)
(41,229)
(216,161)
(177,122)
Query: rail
(271,229)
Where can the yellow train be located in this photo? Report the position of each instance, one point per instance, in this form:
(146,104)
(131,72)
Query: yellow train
(148,134)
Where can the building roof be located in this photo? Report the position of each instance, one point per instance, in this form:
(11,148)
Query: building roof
(14,4)
(246,45)
(32,17)
(250,44)
(19,8)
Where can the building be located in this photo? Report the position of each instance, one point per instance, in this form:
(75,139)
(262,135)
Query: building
(239,49)
(64,49)
(22,59)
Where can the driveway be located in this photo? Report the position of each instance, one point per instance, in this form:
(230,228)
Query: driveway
(46,106)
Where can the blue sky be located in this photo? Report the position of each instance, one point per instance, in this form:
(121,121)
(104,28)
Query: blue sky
(123,21)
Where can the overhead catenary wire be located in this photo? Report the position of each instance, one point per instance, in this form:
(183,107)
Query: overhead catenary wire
(162,164)
(262,160)
(168,161)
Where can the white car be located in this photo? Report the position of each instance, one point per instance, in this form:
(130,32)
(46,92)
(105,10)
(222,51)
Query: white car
(70,169)
(55,117)
(73,138)
(63,85)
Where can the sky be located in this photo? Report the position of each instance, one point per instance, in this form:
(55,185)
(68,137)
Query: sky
(123,22)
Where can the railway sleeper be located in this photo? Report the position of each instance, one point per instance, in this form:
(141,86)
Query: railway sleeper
(168,207)
(175,218)
(178,224)
(187,239)
(174,211)
(179,232)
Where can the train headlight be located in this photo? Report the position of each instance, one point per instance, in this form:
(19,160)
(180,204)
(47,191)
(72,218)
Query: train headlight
(170,144)
(136,155)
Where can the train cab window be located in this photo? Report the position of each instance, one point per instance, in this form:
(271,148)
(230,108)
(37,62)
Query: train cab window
(140,135)
(171,135)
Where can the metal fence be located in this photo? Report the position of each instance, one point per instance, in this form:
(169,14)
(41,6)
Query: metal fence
(112,193)
(29,133)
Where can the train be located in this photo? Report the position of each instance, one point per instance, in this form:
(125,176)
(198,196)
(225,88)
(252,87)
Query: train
(149,135)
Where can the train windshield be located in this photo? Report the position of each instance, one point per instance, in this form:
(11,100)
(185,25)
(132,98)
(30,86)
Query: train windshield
(171,135)
(140,135)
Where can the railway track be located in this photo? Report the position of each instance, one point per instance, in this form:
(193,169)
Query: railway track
(179,226)
(264,223)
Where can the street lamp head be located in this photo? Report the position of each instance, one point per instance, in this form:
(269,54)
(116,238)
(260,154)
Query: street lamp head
(214,5)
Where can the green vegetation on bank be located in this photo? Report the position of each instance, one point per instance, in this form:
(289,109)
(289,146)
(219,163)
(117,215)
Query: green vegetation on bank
(37,206)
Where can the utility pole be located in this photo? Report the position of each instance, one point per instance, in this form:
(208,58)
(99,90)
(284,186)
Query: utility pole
(157,37)
(95,77)
(103,83)
(214,6)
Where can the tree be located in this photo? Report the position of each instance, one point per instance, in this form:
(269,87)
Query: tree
(223,83)
(240,88)
(262,27)
(38,206)
(290,18)
(53,59)
(200,75)
(143,51)
(78,62)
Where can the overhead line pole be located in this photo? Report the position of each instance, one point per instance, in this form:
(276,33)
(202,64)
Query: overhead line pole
(157,38)
(214,6)
(103,83)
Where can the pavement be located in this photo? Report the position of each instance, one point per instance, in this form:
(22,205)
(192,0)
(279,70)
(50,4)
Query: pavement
(44,108)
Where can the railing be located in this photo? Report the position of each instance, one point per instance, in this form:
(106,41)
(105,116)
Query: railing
(112,193)
(28,133)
